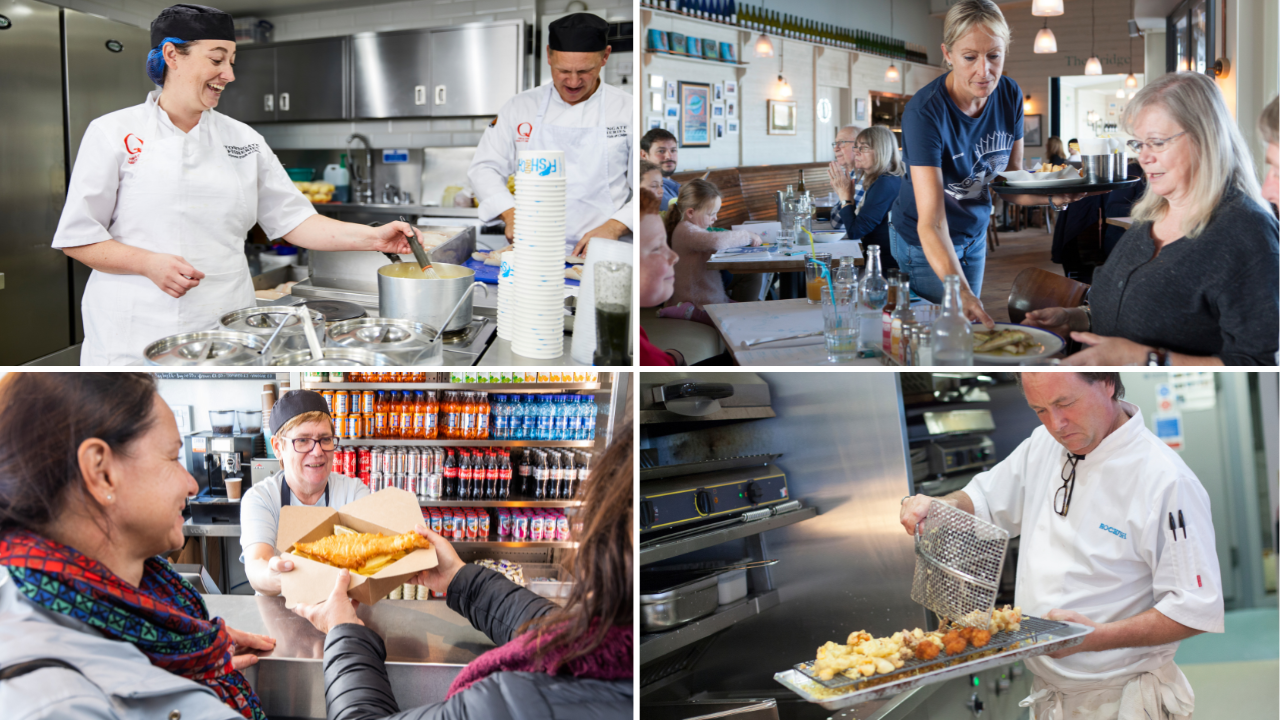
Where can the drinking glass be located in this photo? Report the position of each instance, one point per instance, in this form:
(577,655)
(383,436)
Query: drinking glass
(813,275)
(612,285)
(839,324)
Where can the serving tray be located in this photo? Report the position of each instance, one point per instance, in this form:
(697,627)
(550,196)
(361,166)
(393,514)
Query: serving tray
(1004,189)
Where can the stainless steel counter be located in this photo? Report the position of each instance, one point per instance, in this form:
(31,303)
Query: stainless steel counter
(500,354)
(427,646)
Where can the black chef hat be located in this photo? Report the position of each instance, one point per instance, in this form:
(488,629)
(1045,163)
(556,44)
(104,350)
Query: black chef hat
(293,404)
(191,23)
(579,32)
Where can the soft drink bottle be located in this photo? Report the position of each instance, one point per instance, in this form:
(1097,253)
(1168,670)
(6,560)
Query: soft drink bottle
(504,476)
(557,476)
(393,415)
(406,415)
(380,413)
(525,473)
(540,472)
(450,475)
(491,476)
(432,416)
(570,476)
(482,416)
(464,475)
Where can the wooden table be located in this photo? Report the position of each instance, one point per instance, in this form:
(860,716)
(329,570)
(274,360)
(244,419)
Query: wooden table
(1121,222)
(737,322)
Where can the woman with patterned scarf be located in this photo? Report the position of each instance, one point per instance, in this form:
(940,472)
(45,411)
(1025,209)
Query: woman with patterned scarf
(570,663)
(94,623)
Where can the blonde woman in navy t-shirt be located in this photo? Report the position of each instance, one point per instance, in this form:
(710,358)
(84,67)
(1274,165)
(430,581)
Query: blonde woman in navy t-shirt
(957,133)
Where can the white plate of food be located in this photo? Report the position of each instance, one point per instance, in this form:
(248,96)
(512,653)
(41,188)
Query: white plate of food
(1013,344)
(1044,176)
(828,237)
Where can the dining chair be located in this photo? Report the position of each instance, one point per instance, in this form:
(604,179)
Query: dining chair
(1036,289)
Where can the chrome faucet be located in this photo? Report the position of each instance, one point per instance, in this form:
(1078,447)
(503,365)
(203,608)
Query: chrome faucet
(390,194)
(366,195)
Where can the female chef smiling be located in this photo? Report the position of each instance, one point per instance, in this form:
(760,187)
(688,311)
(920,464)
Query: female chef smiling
(164,193)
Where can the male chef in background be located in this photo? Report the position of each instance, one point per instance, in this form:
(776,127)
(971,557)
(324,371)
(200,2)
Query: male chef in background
(303,438)
(1091,494)
(577,114)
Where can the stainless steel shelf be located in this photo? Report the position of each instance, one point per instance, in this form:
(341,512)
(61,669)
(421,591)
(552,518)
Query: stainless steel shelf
(504,387)
(657,645)
(501,503)
(663,551)
(471,443)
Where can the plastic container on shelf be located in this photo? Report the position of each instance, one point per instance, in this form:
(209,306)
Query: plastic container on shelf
(732,586)
(547,580)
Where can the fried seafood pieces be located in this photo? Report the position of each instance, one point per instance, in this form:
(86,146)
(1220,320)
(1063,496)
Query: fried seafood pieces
(363,553)
(863,655)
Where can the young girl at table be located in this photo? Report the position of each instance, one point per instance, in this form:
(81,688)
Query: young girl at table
(687,221)
(657,263)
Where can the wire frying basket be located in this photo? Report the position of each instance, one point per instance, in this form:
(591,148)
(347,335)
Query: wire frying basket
(958,562)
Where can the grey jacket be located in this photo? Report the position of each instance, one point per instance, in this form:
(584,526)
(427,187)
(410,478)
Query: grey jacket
(357,688)
(114,681)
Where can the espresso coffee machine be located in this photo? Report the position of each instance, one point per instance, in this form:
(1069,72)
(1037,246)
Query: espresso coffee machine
(213,459)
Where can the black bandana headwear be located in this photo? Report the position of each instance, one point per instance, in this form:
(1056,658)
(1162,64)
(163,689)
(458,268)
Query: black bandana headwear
(579,32)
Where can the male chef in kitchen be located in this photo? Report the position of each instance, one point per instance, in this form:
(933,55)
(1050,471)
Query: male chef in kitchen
(577,114)
(1092,494)
(302,437)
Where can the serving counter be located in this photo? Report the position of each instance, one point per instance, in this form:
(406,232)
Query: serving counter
(427,646)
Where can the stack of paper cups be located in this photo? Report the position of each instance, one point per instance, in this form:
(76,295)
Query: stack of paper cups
(538,298)
(506,296)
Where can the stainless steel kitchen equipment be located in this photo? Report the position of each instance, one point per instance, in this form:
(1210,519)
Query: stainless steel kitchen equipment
(959,558)
(670,397)
(269,322)
(333,357)
(290,82)
(698,495)
(438,72)
(941,457)
(406,342)
(669,599)
(1037,637)
(207,347)
(353,275)
(405,292)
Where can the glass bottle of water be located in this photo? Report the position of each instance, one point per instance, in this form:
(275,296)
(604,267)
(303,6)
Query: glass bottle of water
(952,333)
(872,290)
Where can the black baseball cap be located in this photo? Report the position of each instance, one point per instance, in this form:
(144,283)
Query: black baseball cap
(295,403)
(579,32)
(192,22)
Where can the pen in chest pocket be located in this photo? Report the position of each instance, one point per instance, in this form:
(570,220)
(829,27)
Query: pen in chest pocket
(1173,528)
(1182,524)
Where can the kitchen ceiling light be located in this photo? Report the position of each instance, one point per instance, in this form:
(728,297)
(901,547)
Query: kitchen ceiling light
(1046,43)
(1046,8)
(764,47)
(891,75)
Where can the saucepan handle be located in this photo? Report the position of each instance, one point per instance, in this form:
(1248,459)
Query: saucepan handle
(458,306)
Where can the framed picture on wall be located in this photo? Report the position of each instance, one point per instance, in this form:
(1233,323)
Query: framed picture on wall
(1031,135)
(860,109)
(719,92)
(719,130)
(655,102)
(671,91)
(730,88)
(672,113)
(731,109)
(733,127)
(717,111)
(782,117)
(695,114)
(655,123)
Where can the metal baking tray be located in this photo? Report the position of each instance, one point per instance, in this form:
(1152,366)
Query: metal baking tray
(1036,637)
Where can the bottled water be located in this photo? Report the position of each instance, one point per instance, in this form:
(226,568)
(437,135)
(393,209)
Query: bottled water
(590,419)
(872,293)
(952,333)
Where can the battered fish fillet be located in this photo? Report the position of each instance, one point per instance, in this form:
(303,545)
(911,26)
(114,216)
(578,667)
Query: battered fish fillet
(354,552)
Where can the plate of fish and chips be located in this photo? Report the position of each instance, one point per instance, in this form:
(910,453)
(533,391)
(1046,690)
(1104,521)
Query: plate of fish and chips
(1011,344)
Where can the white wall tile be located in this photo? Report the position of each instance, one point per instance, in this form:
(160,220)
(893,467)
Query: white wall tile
(451,124)
(490,6)
(466,139)
(456,9)
(430,139)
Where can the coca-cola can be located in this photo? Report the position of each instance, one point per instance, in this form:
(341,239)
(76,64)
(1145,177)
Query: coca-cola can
(375,459)
(364,458)
(349,462)
(375,480)
(434,485)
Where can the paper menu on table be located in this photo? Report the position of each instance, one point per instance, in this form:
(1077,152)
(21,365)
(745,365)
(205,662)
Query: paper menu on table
(767,230)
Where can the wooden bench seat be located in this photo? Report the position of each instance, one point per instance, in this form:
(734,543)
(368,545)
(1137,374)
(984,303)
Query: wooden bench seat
(750,192)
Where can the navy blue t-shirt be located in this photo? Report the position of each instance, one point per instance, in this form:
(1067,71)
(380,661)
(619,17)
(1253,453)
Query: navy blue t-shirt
(970,152)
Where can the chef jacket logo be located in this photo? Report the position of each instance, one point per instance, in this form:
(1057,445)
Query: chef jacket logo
(241,151)
(992,153)
(541,167)
(616,132)
(1113,531)
(133,145)
(523,131)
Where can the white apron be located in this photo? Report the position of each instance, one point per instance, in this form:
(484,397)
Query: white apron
(185,199)
(586,155)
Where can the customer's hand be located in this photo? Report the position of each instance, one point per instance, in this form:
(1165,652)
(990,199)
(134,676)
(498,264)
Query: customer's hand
(245,643)
(438,577)
(973,308)
(171,273)
(337,610)
(840,181)
(1106,351)
(1056,320)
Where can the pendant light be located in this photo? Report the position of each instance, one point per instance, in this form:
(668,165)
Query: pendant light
(1046,43)
(784,87)
(1093,66)
(891,75)
(1046,8)
(1120,93)
(1131,81)
(764,46)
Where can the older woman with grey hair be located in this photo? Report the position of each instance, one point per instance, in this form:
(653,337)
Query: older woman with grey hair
(1194,281)
(876,160)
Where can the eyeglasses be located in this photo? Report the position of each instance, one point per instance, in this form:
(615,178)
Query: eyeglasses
(861,148)
(836,145)
(1062,498)
(304,445)
(1157,145)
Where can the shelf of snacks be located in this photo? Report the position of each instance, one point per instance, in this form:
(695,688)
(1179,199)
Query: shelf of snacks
(493,387)
(470,443)
(493,542)
(501,503)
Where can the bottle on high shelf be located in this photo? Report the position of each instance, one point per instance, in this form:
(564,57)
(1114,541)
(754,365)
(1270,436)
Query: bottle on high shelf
(733,12)
(800,188)
(482,416)
(406,416)
(380,413)
(524,473)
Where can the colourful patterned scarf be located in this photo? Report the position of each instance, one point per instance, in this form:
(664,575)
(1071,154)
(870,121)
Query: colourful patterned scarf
(164,617)
(610,661)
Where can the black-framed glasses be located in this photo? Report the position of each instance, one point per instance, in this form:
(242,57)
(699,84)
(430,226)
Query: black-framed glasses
(1062,498)
(304,444)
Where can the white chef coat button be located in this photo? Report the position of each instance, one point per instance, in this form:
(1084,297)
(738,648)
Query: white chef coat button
(175,715)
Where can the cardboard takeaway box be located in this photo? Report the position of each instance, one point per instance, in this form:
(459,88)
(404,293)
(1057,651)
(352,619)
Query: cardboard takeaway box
(390,512)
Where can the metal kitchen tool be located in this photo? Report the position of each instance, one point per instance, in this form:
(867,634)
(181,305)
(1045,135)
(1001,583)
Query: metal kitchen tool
(207,347)
(407,342)
(281,324)
(405,293)
(1037,636)
(958,562)
(418,253)
(336,310)
(688,397)
(334,357)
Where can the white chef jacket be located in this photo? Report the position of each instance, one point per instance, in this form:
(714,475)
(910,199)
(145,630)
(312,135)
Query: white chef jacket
(508,134)
(1113,556)
(108,165)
